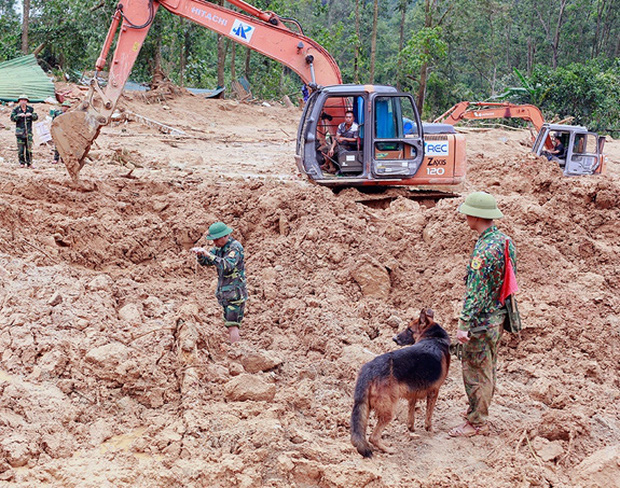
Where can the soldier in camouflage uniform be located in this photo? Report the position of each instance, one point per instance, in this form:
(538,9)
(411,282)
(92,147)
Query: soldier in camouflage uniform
(66,105)
(480,322)
(23,115)
(228,258)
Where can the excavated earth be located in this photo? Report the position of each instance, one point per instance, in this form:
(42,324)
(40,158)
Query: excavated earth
(115,369)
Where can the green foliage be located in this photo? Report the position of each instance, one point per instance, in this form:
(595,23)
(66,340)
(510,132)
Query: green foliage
(424,47)
(532,93)
(587,91)
(10,30)
(478,49)
(71,33)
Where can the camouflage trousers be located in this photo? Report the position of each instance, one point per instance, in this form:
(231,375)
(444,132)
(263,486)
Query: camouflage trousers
(479,370)
(233,312)
(24,150)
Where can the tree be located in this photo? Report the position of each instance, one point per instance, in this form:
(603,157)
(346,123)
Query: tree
(10,30)
(606,17)
(358,44)
(373,41)
(25,23)
(434,16)
(402,8)
(552,25)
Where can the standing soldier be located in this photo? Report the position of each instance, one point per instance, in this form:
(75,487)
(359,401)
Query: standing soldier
(227,256)
(482,317)
(66,105)
(23,115)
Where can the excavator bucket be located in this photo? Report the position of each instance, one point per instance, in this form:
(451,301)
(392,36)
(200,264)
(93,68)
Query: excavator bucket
(73,134)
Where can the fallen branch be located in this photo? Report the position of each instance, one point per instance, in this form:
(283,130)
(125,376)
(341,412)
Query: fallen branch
(135,338)
(521,439)
(40,250)
(166,129)
(533,452)
(73,390)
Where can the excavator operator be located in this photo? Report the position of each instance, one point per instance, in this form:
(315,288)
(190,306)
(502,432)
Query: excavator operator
(346,135)
(558,153)
(347,138)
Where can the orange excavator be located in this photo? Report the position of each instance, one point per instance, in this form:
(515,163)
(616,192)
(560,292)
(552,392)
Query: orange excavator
(391,149)
(582,150)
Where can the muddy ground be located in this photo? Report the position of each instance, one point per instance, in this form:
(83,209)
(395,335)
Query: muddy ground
(115,369)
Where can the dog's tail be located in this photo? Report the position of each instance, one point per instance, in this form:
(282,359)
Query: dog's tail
(359,415)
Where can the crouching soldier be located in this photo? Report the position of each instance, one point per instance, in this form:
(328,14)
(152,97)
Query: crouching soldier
(228,258)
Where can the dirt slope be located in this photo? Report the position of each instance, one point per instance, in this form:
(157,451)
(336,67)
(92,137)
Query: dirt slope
(114,365)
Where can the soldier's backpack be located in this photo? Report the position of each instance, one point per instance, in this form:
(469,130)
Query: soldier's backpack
(512,323)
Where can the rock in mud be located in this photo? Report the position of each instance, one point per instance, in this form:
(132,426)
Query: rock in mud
(249,387)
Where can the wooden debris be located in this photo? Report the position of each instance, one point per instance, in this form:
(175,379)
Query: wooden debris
(166,129)
(287,101)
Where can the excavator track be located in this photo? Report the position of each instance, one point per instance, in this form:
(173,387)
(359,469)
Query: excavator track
(381,198)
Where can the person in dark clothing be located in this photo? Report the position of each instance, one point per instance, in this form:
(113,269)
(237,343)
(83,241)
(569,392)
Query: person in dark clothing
(558,152)
(23,115)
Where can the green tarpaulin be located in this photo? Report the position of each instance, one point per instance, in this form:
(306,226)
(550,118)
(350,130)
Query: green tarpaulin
(24,76)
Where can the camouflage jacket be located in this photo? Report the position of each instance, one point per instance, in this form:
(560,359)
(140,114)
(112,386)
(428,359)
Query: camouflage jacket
(230,263)
(485,275)
(23,125)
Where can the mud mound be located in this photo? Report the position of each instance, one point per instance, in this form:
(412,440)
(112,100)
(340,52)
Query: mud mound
(115,370)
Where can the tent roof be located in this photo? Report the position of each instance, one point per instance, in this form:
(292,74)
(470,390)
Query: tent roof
(24,75)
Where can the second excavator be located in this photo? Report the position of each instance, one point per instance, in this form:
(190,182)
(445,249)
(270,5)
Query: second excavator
(583,153)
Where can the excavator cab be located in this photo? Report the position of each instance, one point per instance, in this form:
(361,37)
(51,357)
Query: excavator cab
(389,143)
(583,150)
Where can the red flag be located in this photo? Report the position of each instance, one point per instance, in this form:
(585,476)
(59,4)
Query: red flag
(509,286)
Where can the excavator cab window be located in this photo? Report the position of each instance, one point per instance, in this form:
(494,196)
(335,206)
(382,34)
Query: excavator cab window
(396,141)
(392,123)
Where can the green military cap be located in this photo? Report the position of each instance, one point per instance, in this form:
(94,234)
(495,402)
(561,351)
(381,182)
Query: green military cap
(23,97)
(66,103)
(481,204)
(217,230)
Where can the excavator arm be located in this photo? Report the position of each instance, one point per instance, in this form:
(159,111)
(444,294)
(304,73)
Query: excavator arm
(493,110)
(261,31)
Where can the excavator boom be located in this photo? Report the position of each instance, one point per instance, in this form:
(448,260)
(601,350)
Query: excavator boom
(263,32)
(493,110)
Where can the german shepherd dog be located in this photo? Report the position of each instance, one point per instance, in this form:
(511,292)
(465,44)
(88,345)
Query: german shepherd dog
(412,373)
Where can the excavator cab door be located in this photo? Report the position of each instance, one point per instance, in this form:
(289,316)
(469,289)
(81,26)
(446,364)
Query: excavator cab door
(305,152)
(583,156)
(539,144)
(396,142)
